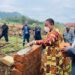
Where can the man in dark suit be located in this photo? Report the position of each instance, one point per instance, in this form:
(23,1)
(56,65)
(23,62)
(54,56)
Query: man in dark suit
(37,32)
(26,33)
(4,32)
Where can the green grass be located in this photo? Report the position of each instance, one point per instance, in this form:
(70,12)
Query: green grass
(14,45)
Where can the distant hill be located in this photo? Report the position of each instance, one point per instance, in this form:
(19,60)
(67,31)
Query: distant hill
(16,17)
(9,14)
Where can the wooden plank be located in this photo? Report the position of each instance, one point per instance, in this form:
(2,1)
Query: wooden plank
(7,60)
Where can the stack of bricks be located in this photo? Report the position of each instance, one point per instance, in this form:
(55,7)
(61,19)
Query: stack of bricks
(4,69)
(5,64)
(29,63)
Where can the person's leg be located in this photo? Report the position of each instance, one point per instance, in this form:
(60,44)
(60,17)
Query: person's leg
(35,37)
(6,37)
(23,40)
(1,36)
(28,40)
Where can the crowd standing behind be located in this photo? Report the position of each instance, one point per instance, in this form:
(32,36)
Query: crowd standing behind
(68,34)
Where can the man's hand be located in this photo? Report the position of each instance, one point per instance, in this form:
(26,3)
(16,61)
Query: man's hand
(65,49)
(31,43)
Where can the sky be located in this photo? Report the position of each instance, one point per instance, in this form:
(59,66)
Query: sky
(60,10)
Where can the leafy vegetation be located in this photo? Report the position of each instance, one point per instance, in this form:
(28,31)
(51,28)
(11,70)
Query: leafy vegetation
(14,45)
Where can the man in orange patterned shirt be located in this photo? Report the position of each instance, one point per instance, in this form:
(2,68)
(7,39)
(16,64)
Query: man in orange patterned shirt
(53,59)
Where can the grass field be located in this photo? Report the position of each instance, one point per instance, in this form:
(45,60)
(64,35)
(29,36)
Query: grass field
(15,44)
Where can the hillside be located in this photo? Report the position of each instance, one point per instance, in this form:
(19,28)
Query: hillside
(15,17)
(9,14)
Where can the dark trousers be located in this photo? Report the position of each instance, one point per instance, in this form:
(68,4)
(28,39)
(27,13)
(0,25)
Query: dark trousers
(5,36)
(37,37)
(26,38)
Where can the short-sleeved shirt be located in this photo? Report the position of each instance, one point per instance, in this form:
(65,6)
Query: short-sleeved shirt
(68,36)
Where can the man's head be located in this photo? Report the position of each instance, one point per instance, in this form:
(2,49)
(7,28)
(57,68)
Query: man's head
(67,29)
(37,24)
(49,23)
(74,28)
(4,24)
(26,23)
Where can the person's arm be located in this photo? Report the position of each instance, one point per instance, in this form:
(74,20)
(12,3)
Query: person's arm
(51,38)
(7,28)
(64,37)
(29,28)
(73,44)
(23,28)
(70,51)
(40,28)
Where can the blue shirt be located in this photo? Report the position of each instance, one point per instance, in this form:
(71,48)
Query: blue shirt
(26,30)
(68,36)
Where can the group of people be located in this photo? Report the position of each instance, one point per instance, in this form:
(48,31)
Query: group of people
(55,63)
(51,51)
(53,66)
(26,33)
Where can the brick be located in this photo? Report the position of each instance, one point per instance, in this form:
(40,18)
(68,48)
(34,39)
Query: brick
(30,58)
(29,63)
(19,66)
(18,58)
(34,47)
(16,72)
(24,51)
